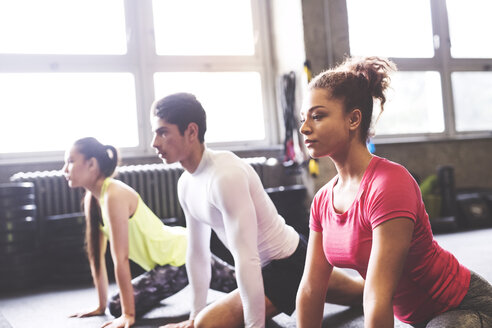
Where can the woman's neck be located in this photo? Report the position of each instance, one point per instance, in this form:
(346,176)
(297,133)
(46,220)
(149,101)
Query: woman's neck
(96,186)
(352,164)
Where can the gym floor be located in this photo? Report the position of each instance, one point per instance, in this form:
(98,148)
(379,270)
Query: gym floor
(50,306)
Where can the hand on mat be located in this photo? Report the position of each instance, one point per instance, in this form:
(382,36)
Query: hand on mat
(182,324)
(98,311)
(125,321)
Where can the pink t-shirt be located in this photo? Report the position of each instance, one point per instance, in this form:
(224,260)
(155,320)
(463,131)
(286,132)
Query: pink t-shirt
(433,281)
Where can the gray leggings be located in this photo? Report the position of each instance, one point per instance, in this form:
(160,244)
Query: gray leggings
(151,287)
(475,310)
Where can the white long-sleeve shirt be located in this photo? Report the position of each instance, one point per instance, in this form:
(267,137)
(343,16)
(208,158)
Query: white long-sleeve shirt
(226,194)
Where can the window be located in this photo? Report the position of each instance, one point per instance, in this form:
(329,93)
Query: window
(441,89)
(233,34)
(472,100)
(232,92)
(383,27)
(63,78)
(469,28)
(232,101)
(414,104)
(48,111)
(61,27)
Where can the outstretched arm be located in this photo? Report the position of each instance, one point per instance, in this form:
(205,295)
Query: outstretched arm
(198,264)
(198,267)
(118,210)
(314,284)
(100,278)
(232,196)
(391,242)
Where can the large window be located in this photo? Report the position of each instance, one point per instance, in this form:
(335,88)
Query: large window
(62,27)
(74,68)
(233,101)
(442,50)
(40,111)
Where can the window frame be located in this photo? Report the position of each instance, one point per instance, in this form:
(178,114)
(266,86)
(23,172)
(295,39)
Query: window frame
(142,61)
(442,62)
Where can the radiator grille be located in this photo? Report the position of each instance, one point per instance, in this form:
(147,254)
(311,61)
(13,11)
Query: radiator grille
(52,194)
(156,184)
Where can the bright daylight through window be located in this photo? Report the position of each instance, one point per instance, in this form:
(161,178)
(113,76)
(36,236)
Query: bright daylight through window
(62,78)
(442,89)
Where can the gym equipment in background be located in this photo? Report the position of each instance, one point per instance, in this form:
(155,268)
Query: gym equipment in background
(475,208)
(63,244)
(19,244)
(439,195)
(290,202)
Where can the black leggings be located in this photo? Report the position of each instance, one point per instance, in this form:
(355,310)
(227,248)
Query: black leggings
(151,287)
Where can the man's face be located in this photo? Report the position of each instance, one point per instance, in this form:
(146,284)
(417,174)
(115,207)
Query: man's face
(169,143)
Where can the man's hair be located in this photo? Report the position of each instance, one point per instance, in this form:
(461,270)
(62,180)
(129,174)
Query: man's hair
(182,109)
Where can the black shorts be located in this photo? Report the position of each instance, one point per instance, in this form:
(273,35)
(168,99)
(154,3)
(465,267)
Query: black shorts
(281,278)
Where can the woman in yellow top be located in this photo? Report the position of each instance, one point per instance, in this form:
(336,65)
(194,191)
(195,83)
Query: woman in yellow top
(115,212)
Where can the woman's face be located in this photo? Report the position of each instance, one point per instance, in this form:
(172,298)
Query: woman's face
(325,125)
(76,168)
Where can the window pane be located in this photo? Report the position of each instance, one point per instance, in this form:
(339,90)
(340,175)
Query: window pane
(48,111)
(390,28)
(414,105)
(472,100)
(62,27)
(232,100)
(469,28)
(197,27)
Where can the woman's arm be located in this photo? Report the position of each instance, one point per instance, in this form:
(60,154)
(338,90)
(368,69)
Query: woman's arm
(100,278)
(314,284)
(118,208)
(390,245)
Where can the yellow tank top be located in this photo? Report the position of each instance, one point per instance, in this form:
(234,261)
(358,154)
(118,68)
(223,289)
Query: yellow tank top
(151,242)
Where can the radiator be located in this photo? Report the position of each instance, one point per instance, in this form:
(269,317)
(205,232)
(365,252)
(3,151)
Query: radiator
(52,194)
(156,184)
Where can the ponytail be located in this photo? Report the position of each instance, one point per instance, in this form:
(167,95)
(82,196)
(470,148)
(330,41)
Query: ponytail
(110,161)
(92,240)
(107,158)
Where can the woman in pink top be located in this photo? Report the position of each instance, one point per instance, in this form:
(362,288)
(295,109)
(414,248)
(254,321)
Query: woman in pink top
(371,218)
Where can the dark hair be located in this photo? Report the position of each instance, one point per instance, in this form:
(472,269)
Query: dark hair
(107,158)
(182,109)
(357,82)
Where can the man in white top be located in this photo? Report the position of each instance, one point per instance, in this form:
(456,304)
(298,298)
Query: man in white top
(219,191)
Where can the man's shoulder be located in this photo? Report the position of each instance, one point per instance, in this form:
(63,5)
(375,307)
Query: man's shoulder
(223,155)
(183,178)
(225,161)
